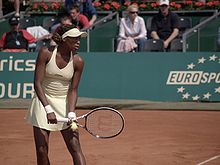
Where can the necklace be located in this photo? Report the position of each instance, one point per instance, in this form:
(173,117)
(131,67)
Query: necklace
(15,36)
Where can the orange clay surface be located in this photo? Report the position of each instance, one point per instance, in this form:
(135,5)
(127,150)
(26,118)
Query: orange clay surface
(150,137)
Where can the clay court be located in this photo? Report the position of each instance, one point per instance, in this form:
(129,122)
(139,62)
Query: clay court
(150,137)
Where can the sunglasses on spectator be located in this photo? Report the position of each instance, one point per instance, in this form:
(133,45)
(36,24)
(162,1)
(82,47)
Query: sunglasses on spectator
(133,12)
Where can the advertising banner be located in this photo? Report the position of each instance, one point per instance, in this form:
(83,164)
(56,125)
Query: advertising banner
(153,76)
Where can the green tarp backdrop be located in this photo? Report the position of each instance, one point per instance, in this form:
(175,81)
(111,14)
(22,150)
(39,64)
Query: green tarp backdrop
(142,76)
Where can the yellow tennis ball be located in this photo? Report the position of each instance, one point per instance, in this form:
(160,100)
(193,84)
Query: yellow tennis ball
(74,126)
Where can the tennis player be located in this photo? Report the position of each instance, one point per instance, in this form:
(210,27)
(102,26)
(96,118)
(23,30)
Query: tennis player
(56,80)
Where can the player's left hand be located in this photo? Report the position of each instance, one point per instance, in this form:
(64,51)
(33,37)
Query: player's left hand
(72,116)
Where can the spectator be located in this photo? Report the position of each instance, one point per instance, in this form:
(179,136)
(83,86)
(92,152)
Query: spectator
(17,7)
(10,6)
(17,40)
(64,20)
(86,8)
(79,20)
(165,25)
(132,31)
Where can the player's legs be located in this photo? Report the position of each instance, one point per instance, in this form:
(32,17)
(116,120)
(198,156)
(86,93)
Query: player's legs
(41,138)
(71,139)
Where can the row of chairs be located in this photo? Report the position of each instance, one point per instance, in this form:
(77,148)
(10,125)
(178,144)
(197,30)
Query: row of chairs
(152,45)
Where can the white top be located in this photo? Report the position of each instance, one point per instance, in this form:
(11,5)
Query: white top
(128,29)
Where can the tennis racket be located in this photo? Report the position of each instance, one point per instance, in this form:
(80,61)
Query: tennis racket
(101,122)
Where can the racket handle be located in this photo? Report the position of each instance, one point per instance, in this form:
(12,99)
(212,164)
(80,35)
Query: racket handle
(62,119)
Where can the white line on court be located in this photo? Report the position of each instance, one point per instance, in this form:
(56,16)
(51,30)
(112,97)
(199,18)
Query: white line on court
(208,160)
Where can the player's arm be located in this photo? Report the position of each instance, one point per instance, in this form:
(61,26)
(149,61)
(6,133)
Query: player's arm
(41,62)
(72,92)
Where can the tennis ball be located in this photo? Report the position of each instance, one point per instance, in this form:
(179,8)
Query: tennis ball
(73,126)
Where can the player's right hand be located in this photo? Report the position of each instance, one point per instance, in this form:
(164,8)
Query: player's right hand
(51,118)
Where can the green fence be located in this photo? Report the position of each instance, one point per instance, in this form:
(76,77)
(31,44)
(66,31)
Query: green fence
(204,38)
(139,76)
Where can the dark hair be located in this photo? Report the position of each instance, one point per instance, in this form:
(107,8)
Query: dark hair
(64,18)
(57,36)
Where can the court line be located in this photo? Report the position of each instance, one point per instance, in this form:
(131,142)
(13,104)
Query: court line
(208,160)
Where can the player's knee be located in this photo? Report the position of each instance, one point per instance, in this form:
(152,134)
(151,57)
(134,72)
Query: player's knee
(74,142)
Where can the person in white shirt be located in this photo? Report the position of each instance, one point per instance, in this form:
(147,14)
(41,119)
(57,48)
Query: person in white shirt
(132,28)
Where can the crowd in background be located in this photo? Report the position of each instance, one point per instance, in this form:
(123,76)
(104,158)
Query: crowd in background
(80,13)
(132,33)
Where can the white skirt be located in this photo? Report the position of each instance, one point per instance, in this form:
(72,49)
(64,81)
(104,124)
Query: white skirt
(37,116)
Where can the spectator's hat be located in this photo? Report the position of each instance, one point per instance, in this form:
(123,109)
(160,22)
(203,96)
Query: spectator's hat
(14,20)
(74,33)
(164,2)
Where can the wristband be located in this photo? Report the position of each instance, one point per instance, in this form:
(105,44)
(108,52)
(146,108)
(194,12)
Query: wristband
(48,109)
(72,115)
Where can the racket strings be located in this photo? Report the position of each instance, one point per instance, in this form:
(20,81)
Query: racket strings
(104,123)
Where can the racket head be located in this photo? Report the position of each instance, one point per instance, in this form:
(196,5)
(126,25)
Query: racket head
(104,122)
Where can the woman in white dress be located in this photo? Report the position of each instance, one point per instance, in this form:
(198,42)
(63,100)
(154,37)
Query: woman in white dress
(56,80)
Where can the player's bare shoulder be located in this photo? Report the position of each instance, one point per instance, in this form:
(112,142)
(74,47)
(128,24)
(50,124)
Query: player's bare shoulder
(78,61)
(45,53)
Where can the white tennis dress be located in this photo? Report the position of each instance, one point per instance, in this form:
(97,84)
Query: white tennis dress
(55,84)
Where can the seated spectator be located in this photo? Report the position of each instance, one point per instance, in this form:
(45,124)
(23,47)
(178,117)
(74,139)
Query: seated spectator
(17,8)
(77,19)
(15,3)
(165,25)
(17,40)
(64,20)
(39,32)
(132,31)
(86,8)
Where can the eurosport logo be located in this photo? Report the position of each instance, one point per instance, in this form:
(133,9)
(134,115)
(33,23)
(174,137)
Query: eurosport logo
(192,77)
(190,82)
